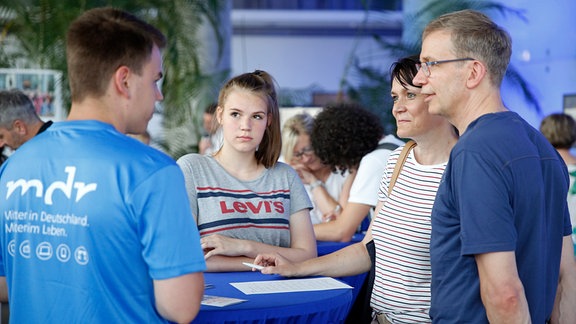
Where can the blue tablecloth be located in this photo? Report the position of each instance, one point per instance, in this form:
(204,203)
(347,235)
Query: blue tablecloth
(327,247)
(328,306)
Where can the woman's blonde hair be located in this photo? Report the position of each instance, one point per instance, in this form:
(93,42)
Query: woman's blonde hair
(300,124)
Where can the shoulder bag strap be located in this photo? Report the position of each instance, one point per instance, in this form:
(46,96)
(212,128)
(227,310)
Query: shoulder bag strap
(401,159)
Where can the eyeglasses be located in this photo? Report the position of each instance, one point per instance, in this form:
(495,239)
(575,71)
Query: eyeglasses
(425,66)
(305,151)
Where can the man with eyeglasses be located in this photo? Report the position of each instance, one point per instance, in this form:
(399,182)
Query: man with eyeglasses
(501,249)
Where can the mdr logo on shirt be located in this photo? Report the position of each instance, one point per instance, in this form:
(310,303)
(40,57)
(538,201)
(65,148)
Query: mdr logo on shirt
(80,188)
(37,222)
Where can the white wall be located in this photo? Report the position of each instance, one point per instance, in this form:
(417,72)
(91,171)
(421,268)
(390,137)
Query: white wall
(297,60)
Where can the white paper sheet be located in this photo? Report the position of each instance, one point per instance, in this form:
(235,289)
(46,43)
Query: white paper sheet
(220,301)
(289,285)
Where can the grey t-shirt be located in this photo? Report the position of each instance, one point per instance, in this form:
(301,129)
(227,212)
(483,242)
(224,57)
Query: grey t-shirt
(257,210)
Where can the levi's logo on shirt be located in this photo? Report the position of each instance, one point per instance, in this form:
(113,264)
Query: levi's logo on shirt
(255,208)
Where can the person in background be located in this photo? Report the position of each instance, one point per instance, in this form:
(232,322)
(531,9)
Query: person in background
(211,138)
(243,200)
(327,189)
(19,121)
(401,227)
(349,138)
(500,247)
(98,227)
(560,130)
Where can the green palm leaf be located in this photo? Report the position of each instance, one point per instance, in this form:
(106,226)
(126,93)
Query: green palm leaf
(38,30)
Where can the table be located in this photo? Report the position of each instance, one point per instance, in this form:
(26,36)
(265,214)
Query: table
(327,247)
(328,306)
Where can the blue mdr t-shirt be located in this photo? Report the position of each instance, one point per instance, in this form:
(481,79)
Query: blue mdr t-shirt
(90,217)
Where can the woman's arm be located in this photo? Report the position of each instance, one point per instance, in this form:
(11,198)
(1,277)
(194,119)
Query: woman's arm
(349,261)
(345,193)
(344,226)
(322,198)
(223,263)
(227,254)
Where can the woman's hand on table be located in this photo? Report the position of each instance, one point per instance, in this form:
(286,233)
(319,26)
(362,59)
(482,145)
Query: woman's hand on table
(274,263)
(221,245)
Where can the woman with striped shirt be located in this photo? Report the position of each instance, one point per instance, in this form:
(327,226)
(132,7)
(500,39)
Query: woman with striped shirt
(401,229)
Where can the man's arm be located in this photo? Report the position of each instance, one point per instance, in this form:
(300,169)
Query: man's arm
(565,303)
(344,226)
(501,289)
(178,299)
(3,290)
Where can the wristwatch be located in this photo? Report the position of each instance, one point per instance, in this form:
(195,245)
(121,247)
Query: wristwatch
(315,184)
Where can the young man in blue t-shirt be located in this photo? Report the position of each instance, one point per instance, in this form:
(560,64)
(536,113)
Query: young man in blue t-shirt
(96,226)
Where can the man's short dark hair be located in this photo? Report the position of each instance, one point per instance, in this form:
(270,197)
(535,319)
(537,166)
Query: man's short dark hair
(99,42)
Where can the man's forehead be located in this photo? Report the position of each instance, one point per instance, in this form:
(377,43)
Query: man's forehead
(436,45)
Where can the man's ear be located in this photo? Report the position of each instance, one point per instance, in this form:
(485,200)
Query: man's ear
(20,127)
(477,74)
(122,81)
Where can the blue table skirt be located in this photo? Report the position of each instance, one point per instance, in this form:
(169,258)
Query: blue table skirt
(328,306)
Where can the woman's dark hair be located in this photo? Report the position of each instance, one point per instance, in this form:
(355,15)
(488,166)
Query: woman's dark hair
(343,133)
(404,70)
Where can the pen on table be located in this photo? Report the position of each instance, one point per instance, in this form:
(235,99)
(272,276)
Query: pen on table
(252,265)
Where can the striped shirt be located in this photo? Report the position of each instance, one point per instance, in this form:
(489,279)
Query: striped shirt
(401,233)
